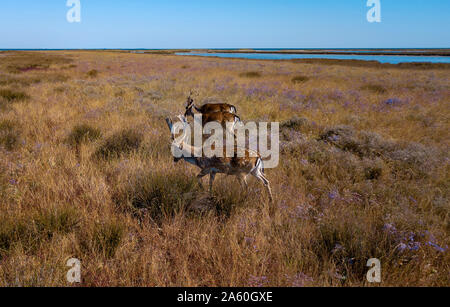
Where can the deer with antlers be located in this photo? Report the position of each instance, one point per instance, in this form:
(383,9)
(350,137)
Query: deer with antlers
(221,112)
(250,164)
(209,107)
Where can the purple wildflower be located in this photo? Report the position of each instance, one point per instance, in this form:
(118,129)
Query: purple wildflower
(333,194)
(334,95)
(258,281)
(437,247)
(337,248)
(220,87)
(394,102)
(402,247)
(406,240)
(300,212)
(389,228)
(413,200)
(294,95)
(299,280)
(249,240)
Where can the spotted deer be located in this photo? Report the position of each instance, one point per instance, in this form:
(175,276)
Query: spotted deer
(250,163)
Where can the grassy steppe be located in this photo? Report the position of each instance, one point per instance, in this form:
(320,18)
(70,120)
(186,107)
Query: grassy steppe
(86,172)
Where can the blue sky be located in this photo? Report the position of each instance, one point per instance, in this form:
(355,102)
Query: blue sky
(224,24)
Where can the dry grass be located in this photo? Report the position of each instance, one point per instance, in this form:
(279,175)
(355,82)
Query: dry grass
(20,62)
(86,172)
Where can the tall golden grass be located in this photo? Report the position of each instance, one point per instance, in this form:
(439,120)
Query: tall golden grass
(86,172)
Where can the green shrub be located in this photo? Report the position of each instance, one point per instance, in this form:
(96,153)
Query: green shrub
(409,160)
(107,237)
(123,142)
(375,88)
(23,81)
(32,231)
(55,220)
(55,78)
(60,89)
(13,96)
(251,74)
(160,194)
(348,240)
(92,73)
(83,134)
(364,144)
(299,79)
(9,134)
(296,123)
(21,62)
(12,230)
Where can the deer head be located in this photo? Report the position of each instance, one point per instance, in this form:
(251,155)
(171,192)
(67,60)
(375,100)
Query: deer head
(190,103)
(177,142)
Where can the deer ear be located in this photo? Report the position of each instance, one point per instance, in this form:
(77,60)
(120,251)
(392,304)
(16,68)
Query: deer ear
(169,123)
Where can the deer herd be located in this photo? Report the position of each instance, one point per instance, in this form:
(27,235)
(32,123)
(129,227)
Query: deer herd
(242,165)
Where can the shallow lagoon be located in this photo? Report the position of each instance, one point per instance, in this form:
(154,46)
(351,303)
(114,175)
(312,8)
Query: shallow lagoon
(392,59)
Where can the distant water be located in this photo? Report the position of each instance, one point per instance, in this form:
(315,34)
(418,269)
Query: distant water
(392,59)
(394,51)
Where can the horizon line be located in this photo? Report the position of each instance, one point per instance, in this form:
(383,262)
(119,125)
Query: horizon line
(237,48)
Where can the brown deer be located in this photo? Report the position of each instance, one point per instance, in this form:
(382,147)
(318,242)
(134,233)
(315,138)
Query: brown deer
(209,115)
(250,164)
(208,108)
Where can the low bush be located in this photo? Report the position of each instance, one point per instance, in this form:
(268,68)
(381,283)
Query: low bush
(122,142)
(251,74)
(92,73)
(33,230)
(83,133)
(375,88)
(159,195)
(107,237)
(299,79)
(9,134)
(13,96)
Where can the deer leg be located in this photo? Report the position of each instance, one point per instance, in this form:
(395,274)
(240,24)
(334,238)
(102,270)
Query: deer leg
(202,174)
(243,180)
(212,175)
(260,176)
(269,190)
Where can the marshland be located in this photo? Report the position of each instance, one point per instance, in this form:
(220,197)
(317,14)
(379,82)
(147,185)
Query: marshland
(86,172)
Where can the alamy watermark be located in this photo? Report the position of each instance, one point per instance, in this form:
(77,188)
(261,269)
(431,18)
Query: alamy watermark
(236,140)
(74,13)
(374,14)
(374,273)
(74,274)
